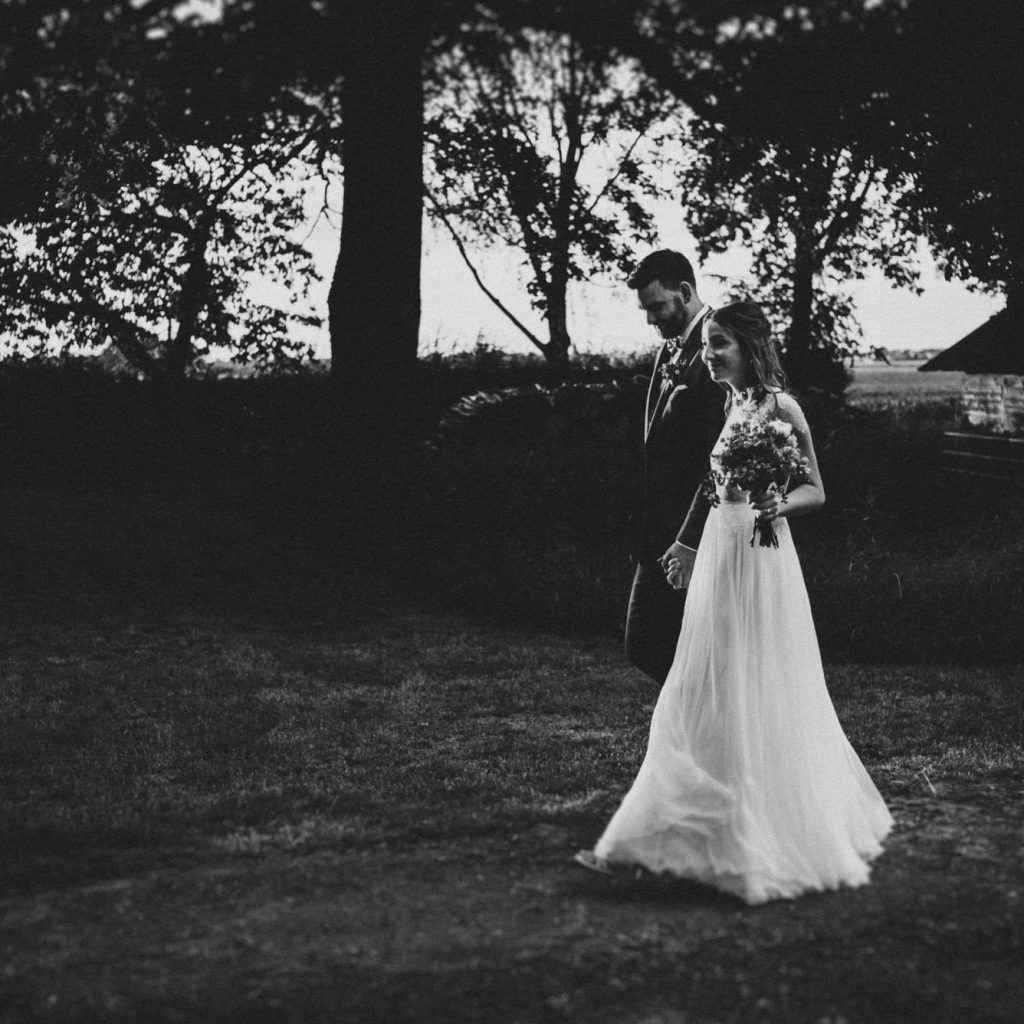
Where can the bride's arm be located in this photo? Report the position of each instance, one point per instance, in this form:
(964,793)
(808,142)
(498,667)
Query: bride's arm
(809,494)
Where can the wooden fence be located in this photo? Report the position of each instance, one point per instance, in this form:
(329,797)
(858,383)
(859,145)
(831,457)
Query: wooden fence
(987,455)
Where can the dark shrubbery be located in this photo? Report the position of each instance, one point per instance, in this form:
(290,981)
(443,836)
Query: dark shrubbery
(68,417)
(904,563)
(521,509)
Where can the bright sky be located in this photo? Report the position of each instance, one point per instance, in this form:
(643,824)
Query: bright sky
(604,316)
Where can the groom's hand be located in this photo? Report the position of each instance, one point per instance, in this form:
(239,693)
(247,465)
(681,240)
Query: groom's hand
(678,565)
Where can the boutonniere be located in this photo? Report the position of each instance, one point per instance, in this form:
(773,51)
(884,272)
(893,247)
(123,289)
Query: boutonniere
(672,369)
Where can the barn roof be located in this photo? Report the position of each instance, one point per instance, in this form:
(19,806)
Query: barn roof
(997,346)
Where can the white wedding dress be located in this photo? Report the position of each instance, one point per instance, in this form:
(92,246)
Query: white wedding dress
(749,783)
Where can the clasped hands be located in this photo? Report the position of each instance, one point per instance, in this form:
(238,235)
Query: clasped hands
(677,562)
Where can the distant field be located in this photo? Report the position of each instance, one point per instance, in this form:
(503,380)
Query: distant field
(875,382)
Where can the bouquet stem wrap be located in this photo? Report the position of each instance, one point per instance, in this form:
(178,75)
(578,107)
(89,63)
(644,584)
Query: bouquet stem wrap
(764,530)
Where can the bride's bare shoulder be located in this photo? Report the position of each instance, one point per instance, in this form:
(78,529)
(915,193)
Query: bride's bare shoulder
(789,409)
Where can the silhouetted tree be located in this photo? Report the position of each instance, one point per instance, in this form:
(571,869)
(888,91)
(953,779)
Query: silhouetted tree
(162,265)
(958,96)
(929,94)
(814,219)
(545,145)
(374,300)
(790,104)
(163,146)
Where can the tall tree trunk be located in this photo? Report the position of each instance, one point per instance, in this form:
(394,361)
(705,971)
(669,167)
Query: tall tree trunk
(798,337)
(374,302)
(192,296)
(556,352)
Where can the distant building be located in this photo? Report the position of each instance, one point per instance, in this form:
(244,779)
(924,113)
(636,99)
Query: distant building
(991,358)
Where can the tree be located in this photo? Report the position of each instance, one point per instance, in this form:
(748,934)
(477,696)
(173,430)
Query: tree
(382,46)
(931,90)
(546,145)
(794,118)
(962,115)
(374,301)
(70,90)
(162,267)
(160,142)
(815,218)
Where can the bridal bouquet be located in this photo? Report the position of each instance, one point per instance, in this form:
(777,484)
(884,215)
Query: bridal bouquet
(756,453)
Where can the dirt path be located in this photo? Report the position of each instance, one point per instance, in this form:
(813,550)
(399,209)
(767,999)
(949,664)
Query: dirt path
(488,929)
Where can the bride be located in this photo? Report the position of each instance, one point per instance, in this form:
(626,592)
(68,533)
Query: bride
(749,783)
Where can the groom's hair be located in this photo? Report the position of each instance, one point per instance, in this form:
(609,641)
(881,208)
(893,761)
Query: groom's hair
(666,266)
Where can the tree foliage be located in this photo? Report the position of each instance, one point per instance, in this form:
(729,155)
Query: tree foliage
(930,90)
(97,94)
(170,163)
(72,98)
(164,267)
(814,219)
(547,145)
(787,159)
(961,113)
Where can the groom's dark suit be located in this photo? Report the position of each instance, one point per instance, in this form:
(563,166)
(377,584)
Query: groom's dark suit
(682,423)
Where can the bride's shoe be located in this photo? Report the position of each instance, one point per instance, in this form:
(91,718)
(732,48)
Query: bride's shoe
(589,860)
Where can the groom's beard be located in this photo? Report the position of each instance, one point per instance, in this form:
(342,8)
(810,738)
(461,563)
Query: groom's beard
(676,324)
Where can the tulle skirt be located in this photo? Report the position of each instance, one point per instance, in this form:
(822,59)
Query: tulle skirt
(749,783)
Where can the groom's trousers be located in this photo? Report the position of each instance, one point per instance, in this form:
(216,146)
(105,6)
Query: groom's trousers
(653,620)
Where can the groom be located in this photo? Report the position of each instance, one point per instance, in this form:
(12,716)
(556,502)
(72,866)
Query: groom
(683,417)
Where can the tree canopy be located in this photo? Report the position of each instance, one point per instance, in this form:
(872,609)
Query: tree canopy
(169,158)
(930,90)
(94,94)
(960,102)
(814,219)
(777,164)
(163,267)
(547,146)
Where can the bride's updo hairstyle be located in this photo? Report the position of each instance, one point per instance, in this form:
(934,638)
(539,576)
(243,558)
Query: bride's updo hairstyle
(746,322)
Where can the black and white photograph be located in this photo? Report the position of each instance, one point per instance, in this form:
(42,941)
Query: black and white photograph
(511,512)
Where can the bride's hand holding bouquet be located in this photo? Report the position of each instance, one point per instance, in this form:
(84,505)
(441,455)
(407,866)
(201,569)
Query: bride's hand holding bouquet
(768,504)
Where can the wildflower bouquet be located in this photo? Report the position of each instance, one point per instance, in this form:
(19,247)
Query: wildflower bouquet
(756,453)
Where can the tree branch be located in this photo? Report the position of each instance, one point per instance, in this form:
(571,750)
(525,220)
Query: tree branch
(841,219)
(622,161)
(125,335)
(443,217)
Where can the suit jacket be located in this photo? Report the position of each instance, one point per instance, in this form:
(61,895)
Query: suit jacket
(682,425)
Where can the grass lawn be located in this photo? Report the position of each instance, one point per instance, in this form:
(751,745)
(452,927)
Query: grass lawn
(239,785)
